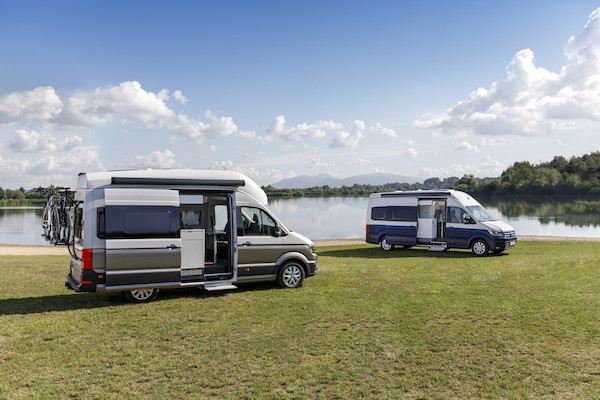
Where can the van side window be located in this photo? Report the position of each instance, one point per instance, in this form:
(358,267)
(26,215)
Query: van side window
(402,213)
(455,215)
(378,213)
(138,222)
(255,222)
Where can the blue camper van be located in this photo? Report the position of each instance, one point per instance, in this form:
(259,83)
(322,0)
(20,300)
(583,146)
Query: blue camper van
(437,219)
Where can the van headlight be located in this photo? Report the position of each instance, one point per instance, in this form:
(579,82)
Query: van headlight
(311,248)
(496,233)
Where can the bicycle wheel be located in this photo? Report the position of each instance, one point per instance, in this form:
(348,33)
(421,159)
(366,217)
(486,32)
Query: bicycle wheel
(55,227)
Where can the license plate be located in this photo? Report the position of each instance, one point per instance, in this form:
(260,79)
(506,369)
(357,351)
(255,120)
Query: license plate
(512,244)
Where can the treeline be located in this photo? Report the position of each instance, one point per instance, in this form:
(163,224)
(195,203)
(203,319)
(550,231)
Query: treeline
(357,190)
(577,175)
(21,196)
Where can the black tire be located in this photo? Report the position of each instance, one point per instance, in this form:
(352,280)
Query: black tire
(141,295)
(480,247)
(291,275)
(385,246)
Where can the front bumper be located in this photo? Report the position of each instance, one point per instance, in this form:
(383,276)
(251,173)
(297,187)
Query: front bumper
(500,245)
(313,267)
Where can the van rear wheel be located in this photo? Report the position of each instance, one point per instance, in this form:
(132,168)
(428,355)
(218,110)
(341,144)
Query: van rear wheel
(385,246)
(291,275)
(141,295)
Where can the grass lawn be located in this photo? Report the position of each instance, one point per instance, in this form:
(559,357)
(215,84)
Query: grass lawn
(371,324)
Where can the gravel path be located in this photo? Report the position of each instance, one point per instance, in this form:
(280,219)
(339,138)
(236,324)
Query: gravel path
(25,250)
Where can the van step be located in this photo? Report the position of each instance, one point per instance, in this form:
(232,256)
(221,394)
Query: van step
(222,286)
(438,247)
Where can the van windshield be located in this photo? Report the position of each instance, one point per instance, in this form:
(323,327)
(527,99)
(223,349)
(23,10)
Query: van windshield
(480,213)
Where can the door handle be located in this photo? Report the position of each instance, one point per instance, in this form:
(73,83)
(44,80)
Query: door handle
(247,244)
(171,246)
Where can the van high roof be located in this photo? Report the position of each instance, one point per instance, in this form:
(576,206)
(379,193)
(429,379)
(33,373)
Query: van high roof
(181,178)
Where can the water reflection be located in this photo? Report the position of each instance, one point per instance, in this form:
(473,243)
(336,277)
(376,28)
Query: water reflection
(21,225)
(344,217)
(572,212)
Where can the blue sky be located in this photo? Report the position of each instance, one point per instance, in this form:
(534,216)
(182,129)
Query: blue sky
(277,89)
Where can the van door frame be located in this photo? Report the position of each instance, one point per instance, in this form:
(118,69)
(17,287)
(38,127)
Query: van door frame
(438,232)
(232,234)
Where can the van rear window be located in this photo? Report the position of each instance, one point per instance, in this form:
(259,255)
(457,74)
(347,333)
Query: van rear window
(138,222)
(378,213)
(394,213)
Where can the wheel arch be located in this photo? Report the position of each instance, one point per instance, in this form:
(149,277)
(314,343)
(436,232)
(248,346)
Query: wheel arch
(476,237)
(293,256)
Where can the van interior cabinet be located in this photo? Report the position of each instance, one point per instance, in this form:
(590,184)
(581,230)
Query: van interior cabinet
(192,252)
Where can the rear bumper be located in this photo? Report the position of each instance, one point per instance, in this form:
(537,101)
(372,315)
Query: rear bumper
(88,282)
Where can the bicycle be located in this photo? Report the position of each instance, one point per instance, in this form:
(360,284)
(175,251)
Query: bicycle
(56,216)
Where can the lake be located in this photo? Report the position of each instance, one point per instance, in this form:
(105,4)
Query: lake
(344,217)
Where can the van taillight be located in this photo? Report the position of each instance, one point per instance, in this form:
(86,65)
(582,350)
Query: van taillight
(367,229)
(86,258)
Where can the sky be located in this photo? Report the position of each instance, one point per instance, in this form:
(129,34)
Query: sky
(278,89)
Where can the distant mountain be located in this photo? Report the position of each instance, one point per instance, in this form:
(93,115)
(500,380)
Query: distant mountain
(306,181)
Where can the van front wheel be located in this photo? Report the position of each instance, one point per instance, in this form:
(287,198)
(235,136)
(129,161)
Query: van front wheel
(385,246)
(291,275)
(141,295)
(480,247)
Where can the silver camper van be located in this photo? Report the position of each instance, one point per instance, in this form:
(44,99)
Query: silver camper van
(437,219)
(140,231)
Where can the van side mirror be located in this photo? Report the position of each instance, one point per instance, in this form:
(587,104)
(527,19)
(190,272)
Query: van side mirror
(468,220)
(278,232)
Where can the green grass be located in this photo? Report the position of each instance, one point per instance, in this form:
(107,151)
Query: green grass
(403,324)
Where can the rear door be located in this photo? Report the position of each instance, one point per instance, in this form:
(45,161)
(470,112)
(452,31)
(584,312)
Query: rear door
(142,232)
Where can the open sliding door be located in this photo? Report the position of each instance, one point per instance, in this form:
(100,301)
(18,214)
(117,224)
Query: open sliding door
(142,232)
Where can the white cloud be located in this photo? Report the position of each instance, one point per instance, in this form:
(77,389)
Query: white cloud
(50,169)
(156,159)
(84,159)
(492,142)
(261,177)
(384,131)
(34,142)
(411,143)
(532,100)
(197,132)
(466,146)
(316,162)
(128,102)
(490,165)
(360,161)
(349,139)
(34,107)
(409,153)
(13,168)
(177,95)
(301,131)
(560,143)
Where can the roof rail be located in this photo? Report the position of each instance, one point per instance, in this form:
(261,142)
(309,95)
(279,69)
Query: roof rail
(115,180)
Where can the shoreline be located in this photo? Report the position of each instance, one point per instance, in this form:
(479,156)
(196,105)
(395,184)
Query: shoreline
(33,250)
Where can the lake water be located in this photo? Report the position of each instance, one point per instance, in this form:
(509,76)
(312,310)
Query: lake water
(344,217)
